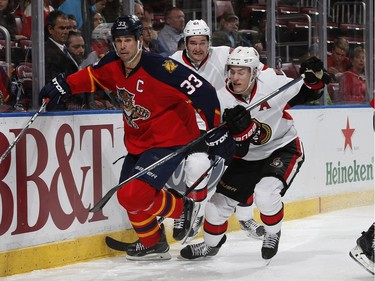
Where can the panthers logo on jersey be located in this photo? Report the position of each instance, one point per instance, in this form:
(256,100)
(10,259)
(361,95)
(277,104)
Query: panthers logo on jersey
(132,112)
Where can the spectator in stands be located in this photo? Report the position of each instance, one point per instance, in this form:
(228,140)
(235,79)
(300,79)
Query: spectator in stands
(26,26)
(337,61)
(74,7)
(57,58)
(227,34)
(72,23)
(138,9)
(353,81)
(173,29)
(112,10)
(76,46)
(98,19)
(4,91)
(149,44)
(8,21)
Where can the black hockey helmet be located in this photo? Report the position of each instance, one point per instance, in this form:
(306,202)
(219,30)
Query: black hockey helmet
(127,25)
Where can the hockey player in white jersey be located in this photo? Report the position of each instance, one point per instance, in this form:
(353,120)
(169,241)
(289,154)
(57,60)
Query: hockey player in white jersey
(210,63)
(268,153)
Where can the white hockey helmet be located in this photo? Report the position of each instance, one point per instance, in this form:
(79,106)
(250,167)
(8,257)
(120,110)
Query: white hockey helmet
(102,31)
(245,57)
(197,27)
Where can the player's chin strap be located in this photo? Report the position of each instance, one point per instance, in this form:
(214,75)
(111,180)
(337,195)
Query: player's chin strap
(139,49)
(251,80)
(102,202)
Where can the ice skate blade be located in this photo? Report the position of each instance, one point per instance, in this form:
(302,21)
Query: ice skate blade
(194,216)
(150,257)
(357,254)
(181,258)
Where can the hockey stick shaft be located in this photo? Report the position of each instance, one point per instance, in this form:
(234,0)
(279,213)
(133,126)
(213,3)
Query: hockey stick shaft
(198,181)
(102,202)
(19,136)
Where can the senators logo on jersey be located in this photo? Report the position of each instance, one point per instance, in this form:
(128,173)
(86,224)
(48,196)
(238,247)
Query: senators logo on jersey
(132,112)
(262,134)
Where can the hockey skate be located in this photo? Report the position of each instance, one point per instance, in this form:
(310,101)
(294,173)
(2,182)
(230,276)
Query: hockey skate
(201,250)
(363,253)
(184,224)
(138,252)
(253,229)
(198,222)
(270,246)
(178,228)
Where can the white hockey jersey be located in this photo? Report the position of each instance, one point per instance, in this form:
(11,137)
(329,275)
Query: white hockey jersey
(212,68)
(276,126)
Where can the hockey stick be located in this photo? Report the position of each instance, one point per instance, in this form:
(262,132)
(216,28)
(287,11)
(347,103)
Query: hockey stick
(124,246)
(19,136)
(102,202)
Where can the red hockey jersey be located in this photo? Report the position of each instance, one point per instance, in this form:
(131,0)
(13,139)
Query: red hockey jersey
(160,97)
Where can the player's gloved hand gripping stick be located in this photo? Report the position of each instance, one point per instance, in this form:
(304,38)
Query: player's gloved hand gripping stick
(102,202)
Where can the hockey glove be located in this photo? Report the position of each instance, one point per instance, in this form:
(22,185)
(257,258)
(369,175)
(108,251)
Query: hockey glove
(239,123)
(220,143)
(315,75)
(54,90)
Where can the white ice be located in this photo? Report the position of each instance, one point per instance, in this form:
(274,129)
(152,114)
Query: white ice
(312,248)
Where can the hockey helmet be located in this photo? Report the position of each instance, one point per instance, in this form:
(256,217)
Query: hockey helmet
(127,25)
(197,27)
(244,56)
(102,31)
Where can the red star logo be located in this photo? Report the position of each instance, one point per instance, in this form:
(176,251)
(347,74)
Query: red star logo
(348,132)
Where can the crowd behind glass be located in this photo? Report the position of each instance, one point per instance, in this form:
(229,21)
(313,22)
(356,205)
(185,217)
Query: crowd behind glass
(235,23)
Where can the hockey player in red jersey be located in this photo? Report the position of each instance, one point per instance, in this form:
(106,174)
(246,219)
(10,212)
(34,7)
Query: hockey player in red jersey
(268,154)
(209,62)
(159,98)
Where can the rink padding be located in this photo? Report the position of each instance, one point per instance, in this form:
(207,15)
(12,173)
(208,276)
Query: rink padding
(93,247)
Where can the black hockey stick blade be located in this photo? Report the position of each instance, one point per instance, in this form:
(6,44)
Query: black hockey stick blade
(102,202)
(117,245)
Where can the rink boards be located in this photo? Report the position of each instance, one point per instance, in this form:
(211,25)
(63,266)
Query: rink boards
(65,163)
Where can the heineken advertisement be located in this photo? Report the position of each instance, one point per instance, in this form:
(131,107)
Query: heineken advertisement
(337,172)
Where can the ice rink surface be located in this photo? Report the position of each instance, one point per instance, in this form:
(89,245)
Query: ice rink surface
(314,248)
